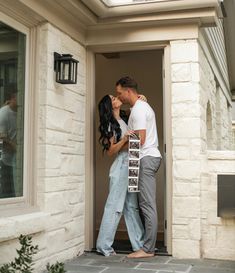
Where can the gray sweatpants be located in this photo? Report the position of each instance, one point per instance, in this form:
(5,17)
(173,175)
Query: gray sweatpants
(149,165)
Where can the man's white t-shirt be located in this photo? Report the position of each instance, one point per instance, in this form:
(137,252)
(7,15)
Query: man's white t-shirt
(142,117)
(8,128)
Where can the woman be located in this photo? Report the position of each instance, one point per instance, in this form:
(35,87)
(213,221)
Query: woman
(114,139)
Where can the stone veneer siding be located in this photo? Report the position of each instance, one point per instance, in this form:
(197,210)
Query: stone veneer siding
(186,138)
(61,187)
(194,89)
(58,226)
(218,234)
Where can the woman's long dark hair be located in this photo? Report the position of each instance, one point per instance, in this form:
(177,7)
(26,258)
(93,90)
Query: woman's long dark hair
(109,126)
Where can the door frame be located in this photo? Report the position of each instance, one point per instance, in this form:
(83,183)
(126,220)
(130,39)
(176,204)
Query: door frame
(90,137)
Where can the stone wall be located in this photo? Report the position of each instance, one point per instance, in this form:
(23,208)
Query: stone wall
(61,188)
(186,122)
(201,120)
(218,234)
(216,129)
(57,223)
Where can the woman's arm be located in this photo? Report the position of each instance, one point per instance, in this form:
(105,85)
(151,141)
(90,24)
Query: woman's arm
(116,147)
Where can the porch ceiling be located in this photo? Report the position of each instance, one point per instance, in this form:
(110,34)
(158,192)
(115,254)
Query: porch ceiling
(83,17)
(229,27)
(103,11)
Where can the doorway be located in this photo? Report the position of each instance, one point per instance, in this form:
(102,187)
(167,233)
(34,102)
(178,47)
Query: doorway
(146,68)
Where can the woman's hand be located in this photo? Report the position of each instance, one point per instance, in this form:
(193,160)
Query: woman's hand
(127,134)
(120,145)
(142,97)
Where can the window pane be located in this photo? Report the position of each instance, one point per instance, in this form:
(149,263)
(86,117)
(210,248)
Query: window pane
(12,86)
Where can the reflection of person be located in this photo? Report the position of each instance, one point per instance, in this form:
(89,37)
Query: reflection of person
(114,137)
(8,137)
(142,121)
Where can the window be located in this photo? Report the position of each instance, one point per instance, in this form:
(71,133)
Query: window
(12,90)
(113,3)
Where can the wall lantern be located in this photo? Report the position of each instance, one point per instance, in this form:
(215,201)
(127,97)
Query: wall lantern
(65,68)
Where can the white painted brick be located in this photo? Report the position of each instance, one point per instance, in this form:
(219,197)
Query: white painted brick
(179,152)
(180,221)
(184,52)
(186,189)
(53,137)
(195,72)
(13,227)
(75,228)
(188,207)
(221,253)
(186,169)
(186,127)
(184,248)
(186,110)
(8,251)
(57,158)
(58,220)
(180,232)
(195,229)
(54,202)
(54,184)
(73,165)
(185,92)
(58,119)
(77,210)
(226,236)
(181,72)
(55,241)
(208,236)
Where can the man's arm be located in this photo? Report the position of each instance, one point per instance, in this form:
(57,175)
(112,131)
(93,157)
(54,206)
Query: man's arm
(142,135)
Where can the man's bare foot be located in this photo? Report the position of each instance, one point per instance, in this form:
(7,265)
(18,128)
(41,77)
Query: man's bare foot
(140,254)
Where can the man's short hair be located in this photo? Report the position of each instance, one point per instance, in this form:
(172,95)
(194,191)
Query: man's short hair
(127,82)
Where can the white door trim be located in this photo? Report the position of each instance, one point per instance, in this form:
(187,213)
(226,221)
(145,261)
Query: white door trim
(90,133)
(167,124)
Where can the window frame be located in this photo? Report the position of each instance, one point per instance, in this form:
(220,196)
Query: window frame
(27,199)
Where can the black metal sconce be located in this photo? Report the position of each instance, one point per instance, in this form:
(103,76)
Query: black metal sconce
(65,68)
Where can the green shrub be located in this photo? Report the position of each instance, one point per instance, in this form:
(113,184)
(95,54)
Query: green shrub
(56,268)
(23,263)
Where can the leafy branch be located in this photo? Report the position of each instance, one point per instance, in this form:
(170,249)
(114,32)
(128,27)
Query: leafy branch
(23,263)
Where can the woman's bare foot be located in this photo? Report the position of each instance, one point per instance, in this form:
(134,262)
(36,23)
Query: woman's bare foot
(140,254)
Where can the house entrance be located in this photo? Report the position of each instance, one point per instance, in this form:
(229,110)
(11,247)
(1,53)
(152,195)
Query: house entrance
(146,68)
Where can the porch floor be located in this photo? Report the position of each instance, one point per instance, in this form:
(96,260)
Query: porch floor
(92,262)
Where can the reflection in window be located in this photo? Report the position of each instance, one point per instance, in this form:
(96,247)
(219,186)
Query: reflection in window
(12,85)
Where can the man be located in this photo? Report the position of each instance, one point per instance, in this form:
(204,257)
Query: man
(142,121)
(8,140)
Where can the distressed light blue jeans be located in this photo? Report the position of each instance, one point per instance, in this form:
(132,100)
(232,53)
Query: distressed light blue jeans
(119,202)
